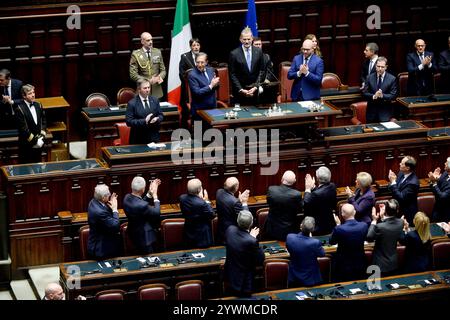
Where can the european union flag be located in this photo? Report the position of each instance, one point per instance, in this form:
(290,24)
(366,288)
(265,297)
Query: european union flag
(250,19)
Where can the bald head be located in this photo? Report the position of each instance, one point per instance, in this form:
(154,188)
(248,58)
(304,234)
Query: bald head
(288,178)
(194,186)
(348,211)
(54,291)
(420,45)
(146,40)
(307,48)
(231,184)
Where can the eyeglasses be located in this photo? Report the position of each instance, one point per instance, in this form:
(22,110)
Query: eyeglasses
(420,45)
(305,49)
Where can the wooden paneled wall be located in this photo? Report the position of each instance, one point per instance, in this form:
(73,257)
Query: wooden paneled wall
(39,48)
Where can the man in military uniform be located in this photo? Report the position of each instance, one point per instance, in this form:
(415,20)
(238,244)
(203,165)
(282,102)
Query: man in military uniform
(147,62)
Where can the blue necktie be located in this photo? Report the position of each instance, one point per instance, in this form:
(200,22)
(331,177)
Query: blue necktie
(249,61)
(379,83)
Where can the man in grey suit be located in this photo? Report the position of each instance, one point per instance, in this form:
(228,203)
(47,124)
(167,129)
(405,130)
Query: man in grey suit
(385,233)
(380,90)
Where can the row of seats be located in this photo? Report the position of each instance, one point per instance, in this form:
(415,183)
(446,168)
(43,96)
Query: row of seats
(185,290)
(99,100)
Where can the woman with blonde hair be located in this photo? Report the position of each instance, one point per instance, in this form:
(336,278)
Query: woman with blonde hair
(417,243)
(363,199)
(316,47)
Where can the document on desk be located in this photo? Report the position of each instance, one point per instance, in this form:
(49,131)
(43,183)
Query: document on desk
(198,255)
(390,125)
(306,104)
(164,104)
(153,145)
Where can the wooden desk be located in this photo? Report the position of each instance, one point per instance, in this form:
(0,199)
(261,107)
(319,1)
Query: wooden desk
(172,266)
(433,111)
(57,114)
(101,130)
(413,286)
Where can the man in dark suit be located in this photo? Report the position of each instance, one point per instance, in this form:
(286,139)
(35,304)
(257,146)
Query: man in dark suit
(444,69)
(104,225)
(380,91)
(304,250)
(405,188)
(11,96)
(31,123)
(421,68)
(385,233)
(440,184)
(143,115)
(368,66)
(319,202)
(143,213)
(187,61)
(350,259)
(243,255)
(203,84)
(228,206)
(246,65)
(307,72)
(198,213)
(285,202)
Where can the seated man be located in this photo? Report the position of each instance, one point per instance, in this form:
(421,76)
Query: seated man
(243,255)
(285,202)
(304,250)
(104,225)
(198,213)
(380,90)
(143,214)
(203,84)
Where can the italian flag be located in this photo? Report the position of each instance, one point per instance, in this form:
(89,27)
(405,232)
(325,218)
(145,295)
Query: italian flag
(181,35)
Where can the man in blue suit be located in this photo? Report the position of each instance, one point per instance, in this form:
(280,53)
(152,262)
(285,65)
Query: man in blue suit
(11,96)
(143,115)
(380,90)
(143,212)
(421,68)
(203,84)
(350,259)
(228,206)
(198,213)
(307,72)
(405,188)
(440,185)
(104,225)
(304,250)
(246,67)
(243,255)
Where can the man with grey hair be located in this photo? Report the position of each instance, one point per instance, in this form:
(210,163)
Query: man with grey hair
(32,124)
(440,184)
(243,254)
(285,202)
(54,291)
(246,67)
(368,67)
(320,201)
(143,212)
(103,218)
(198,213)
(228,206)
(304,250)
(349,260)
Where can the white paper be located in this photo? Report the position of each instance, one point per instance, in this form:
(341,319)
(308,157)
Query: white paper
(390,125)
(153,145)
(306,104)
(113,108)
(355,291)
(153,259)
(395,285)
(198,255)
(164,104)
(107,264)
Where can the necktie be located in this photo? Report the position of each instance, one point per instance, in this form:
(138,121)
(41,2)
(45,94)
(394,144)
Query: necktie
(379,82)
(249,61)
(33,112)
(421,57)
(306,61)
(206,75)
(146,107)
(148,55)
(370,66)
